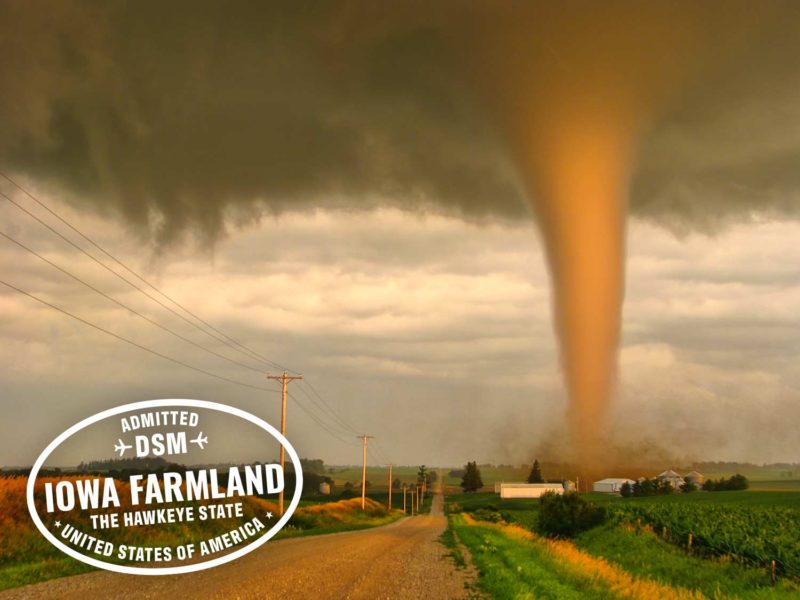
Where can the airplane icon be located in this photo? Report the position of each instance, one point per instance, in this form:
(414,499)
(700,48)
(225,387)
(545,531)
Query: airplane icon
(121,447)
(200,440)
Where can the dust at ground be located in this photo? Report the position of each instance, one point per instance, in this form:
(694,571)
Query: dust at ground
(403,560)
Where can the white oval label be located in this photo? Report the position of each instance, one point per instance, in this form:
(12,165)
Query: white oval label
(146,511)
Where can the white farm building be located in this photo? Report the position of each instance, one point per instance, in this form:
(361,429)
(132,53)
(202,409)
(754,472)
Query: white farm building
(529,490)
(611,485)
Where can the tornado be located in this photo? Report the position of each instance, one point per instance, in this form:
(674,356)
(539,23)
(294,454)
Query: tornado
(574,87)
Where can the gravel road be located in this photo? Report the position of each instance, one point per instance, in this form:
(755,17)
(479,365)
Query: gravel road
(403,560)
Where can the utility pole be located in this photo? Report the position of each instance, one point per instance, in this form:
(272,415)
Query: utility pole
(404,497)
(413,495)
(390,486)
(364,438)
(284,379)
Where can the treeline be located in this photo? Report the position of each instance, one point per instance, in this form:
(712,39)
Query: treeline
(647,487)
(735,482)
(118,464)
(662,487)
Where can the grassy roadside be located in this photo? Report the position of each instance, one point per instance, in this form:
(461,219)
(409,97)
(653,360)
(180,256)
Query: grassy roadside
(513,562)
(642,553)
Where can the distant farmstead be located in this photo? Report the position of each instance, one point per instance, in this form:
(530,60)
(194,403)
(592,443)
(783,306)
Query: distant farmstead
(672,478)
(610,485)
(696,478)
(529,490)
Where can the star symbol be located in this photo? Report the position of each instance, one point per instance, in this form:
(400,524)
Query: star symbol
(57,523)
(269,515)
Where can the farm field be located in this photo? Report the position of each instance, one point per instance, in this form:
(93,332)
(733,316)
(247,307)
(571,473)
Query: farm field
(633,555)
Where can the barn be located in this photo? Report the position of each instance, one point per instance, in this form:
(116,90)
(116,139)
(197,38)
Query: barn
(529,490)
(610,485)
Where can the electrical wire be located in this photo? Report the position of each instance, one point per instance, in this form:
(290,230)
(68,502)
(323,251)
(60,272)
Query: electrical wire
(113,272)
(125,306)
(30,195)
(339,423)
(131,342)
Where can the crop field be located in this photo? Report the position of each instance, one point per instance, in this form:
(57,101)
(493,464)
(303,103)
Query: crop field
(735,535)
(756,533)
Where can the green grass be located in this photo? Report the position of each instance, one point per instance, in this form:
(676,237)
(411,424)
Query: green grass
(366,523)
(643,554)
(381,496)
(637,551)
(523,511)
(518,569)
(777,485)
(449,541)
(377,476)
(15,575)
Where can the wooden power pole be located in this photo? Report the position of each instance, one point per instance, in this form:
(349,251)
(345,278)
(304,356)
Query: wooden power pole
(284,379)
(390,486)
(404,498)
(364,438)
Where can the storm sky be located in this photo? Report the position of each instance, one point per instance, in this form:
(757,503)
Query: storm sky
(324,185)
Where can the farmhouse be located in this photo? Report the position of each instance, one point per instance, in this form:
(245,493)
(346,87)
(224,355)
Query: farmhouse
(529,490)
(610,485)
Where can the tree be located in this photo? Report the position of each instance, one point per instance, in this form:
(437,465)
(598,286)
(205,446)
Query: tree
(688,487)
(736,482)
(626,491)
(422,474)
(565,515)
(536,473)
(471,481)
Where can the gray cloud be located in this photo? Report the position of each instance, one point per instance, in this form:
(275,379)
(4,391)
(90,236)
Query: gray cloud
(179,115)
(409,340)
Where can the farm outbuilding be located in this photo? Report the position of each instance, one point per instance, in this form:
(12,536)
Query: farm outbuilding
(529,490)
(696,478)
(610,485)
(672,478)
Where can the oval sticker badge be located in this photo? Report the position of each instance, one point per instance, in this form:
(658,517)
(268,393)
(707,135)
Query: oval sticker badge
(174,498)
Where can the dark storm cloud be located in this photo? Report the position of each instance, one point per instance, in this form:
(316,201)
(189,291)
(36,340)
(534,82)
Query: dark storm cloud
(173,111)
(177,114)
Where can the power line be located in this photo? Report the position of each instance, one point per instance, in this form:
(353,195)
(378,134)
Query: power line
(339,422)
(134,273)
(130,283)
(333,424)
(319,421)
(131,342)
(347,427)
(125,306)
